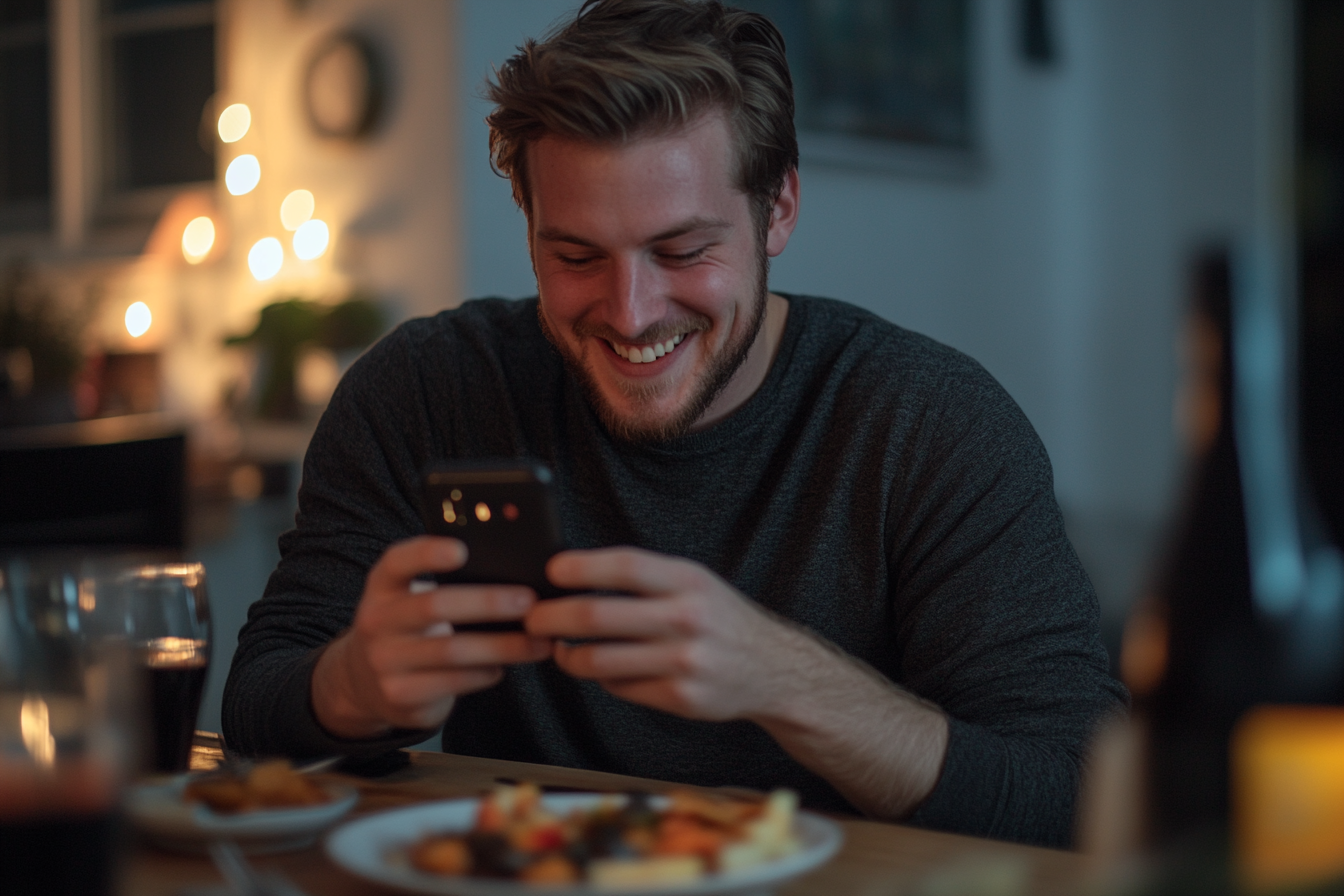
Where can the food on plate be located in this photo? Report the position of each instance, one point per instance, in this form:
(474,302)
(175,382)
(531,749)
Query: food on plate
(267,785)
(623,841)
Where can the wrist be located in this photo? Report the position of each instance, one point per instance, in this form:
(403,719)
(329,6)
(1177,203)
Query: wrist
(805,678)
(881,746)
(335,700)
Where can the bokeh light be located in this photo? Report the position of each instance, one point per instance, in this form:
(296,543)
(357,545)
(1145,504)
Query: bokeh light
(138,319)
(311,240)
(197,239)
(296,209)
(265,258)
(234,122)
(242,174)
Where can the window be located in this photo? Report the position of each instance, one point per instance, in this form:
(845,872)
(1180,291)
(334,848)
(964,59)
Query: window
(129,80)
(878,79)
(159,65)
(25,115)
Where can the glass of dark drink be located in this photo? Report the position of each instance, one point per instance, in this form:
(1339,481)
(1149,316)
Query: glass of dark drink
(161,611)
(66,735)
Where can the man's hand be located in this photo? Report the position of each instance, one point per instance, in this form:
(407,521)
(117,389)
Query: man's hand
(689,644)
(400,665)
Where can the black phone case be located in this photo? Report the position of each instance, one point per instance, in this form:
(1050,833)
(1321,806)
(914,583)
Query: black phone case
(505,512)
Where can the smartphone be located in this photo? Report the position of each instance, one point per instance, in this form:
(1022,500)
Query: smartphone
(505,512)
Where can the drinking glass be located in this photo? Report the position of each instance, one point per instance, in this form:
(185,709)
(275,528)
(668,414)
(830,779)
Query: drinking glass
(161,611)
(67,723)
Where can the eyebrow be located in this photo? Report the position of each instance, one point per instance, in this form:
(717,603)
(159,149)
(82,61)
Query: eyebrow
(553,235)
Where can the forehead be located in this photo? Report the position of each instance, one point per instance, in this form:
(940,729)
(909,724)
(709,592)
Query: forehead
(636,184)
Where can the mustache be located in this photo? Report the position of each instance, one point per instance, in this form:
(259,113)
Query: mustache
(659,332)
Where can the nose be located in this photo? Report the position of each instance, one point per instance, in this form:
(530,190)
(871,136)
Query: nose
(635,299)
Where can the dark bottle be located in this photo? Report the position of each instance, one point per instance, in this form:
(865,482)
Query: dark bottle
(1246,609)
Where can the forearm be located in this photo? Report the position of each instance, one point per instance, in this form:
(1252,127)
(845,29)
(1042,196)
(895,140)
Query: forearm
(881,747)
(268,712)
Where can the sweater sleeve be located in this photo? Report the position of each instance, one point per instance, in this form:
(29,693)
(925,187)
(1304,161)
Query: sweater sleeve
(999,624)
(358,495)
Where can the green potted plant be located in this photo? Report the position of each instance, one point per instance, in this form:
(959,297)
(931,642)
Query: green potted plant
(287,327)
(41,350)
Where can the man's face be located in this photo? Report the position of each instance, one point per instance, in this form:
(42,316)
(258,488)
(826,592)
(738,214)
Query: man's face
(651,274)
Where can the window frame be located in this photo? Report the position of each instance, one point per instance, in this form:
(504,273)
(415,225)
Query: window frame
(118,204)
(87,214)
(840,149)
(30,215)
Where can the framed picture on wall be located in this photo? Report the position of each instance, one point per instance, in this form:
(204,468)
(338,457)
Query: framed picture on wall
(880,83)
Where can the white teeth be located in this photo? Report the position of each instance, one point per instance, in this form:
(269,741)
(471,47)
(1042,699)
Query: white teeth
(644,354)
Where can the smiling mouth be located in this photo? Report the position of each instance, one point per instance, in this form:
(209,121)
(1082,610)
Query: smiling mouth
(644,354)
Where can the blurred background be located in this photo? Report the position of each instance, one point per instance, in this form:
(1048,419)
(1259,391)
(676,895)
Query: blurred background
(208,208)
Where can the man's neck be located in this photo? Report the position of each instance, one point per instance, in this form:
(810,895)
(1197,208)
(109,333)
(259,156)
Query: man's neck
(754,369)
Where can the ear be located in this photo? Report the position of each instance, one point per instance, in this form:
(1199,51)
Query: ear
(784,216)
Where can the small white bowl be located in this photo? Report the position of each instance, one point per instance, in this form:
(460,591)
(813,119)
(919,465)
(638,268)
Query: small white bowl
(159,811)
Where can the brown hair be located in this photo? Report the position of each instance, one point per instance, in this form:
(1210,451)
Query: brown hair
(624,68)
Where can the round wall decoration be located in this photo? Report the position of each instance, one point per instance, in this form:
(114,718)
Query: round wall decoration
(342,89)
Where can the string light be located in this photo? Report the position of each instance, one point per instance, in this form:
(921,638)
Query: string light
(311,240)
(296,209)
(234,122)
(243,174)
(265,258)
(138,319)
(197,239)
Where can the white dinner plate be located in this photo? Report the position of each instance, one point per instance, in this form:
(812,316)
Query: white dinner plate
(375,848)
(159,811)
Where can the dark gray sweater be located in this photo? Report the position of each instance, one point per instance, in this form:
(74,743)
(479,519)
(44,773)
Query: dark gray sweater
(879,488)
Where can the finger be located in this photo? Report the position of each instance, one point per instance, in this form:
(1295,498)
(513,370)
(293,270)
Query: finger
(399,655)
(628,660)
(624,569)
(405,560)
(455,604)
(615,617)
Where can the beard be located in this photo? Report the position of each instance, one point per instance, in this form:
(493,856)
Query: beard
(637,426)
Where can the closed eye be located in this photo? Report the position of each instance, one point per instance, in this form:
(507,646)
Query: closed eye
(576,261)
(680,258)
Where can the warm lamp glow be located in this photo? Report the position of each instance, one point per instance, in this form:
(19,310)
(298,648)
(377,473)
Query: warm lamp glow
(296,209)
(197,239)
(311,240)
(234,122)
(242,174)
(138,319)
(35,725)
(265,258)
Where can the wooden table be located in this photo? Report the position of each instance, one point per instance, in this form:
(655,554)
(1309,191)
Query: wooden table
(876,860)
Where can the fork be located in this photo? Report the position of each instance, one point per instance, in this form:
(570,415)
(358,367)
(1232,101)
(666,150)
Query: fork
(242,878)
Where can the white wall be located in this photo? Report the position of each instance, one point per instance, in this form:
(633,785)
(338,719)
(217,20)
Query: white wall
(495,235)
(392,198)
(1060,265)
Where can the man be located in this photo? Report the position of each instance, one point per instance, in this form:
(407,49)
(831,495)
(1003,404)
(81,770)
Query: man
(848,567)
